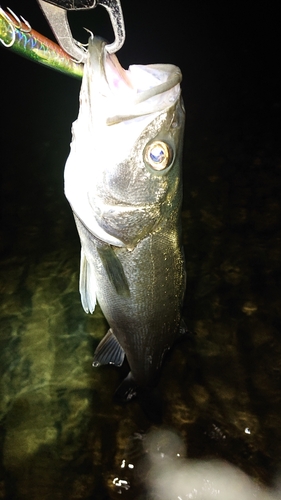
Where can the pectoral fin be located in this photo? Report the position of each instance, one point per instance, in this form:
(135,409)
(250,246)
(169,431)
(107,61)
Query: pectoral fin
(87,285)
(109,351)
(114,270)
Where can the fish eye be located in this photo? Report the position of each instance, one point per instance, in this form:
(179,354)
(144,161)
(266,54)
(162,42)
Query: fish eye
(158,155)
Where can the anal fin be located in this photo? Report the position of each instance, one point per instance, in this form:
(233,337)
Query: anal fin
(109,351)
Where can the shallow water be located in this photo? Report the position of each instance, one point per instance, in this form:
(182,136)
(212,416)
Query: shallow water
(62,435)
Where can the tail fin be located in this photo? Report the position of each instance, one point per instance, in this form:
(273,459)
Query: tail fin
(126,391)
(149,399)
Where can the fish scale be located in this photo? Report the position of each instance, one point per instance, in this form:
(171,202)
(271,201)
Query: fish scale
(125,191)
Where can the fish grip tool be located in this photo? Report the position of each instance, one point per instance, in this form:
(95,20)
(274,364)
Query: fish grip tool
(56,13)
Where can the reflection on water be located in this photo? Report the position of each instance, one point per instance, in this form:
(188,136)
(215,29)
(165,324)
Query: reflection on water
(62,436)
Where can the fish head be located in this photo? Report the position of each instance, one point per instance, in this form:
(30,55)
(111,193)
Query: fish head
(122,177)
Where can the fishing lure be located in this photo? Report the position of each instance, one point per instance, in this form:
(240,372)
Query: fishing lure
(17,35)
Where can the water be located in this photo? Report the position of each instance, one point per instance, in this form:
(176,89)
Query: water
(62,435)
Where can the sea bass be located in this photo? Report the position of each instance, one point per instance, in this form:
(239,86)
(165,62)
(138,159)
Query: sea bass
(123,182)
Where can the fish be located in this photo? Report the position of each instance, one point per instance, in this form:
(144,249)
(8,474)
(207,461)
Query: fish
(123,181)
(18,36)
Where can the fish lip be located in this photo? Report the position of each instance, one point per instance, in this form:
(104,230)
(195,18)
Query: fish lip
(123,83)
(103,62)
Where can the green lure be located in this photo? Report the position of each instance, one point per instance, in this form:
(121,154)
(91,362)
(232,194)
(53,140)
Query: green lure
(17,35)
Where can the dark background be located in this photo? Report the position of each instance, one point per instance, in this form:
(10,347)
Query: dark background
(229,53)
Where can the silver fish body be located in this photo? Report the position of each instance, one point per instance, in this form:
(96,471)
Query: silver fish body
(123,182)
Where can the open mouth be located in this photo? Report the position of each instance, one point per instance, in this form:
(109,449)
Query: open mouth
(138,82)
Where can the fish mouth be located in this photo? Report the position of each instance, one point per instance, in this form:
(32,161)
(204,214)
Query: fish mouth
(139,90)
(140,101)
